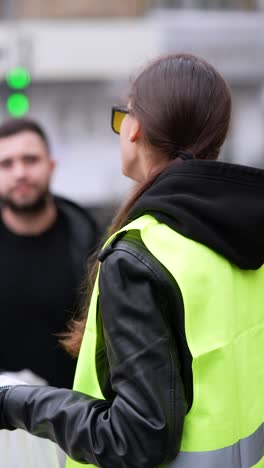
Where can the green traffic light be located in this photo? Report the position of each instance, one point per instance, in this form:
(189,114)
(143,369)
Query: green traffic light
(18,78)
(17,105)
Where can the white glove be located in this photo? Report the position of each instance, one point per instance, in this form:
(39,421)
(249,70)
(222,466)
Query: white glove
(10,379)
(28,377)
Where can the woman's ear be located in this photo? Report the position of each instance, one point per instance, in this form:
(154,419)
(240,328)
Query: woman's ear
(135,131)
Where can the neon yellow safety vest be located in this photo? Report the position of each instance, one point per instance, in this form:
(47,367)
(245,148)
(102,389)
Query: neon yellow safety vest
(224,324)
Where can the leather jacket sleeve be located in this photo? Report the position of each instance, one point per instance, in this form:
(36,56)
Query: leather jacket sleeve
(141,423)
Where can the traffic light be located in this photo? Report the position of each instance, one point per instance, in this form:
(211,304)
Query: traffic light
(17,103)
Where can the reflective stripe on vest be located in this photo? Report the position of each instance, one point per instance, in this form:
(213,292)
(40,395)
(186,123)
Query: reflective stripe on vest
(244,454)
(224,324)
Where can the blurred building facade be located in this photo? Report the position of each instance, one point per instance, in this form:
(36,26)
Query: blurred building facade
(111,8)
(82,54)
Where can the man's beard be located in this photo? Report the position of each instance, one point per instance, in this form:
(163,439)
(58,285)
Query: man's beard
(34,207)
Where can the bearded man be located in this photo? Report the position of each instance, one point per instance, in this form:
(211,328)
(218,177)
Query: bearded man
(44,244)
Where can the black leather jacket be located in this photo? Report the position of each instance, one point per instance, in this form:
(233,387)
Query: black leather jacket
(143,365)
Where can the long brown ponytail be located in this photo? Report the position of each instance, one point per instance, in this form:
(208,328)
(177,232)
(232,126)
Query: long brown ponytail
(182,104)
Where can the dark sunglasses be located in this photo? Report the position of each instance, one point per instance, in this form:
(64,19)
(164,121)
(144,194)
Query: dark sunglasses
(118,115)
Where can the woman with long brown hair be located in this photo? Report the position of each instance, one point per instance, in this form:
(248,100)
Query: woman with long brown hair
(170,355)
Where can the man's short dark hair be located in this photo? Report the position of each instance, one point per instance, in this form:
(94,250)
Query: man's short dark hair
(13,126)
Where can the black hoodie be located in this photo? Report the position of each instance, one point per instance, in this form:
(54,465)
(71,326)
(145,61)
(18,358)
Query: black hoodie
(218,204)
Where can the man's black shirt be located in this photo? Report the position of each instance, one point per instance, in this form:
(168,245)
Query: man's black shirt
(39,290)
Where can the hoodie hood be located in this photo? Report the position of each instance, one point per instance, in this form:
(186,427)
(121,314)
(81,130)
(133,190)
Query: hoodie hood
(220,205)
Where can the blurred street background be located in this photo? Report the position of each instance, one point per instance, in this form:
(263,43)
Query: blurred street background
(80,56)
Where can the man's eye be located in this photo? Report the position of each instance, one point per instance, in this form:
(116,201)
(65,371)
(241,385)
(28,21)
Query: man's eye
(30,159)
(6,164)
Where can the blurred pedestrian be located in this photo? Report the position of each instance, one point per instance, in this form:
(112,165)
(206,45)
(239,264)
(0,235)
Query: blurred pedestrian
(44,245)
(170,368)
